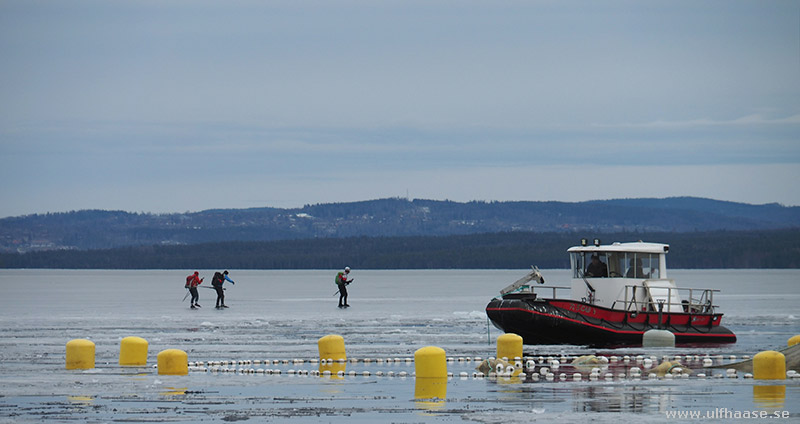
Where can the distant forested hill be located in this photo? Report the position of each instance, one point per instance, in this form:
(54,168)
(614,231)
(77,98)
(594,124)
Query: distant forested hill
(94,229)
(510,250)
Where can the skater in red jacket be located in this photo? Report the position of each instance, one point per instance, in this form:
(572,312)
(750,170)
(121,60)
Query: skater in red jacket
(192,282)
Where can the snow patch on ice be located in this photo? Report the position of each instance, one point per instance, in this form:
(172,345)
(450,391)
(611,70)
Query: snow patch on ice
(473,314)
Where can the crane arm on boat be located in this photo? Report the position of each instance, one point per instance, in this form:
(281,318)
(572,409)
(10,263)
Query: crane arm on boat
(533,275)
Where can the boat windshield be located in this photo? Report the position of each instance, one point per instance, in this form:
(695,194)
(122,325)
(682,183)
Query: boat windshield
(614,265)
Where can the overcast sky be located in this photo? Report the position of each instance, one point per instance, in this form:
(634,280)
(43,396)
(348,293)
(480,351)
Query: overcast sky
(173,106)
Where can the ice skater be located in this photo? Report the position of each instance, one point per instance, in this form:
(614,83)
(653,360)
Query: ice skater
(216,282)
(192,282)
(343,282)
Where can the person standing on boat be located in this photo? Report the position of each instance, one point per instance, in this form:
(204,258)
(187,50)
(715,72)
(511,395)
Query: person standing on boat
(342,282)
(597,268)
(216,282)
(192,282)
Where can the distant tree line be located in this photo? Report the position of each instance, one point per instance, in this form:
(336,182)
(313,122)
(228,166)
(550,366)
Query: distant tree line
(510,250)
(96,229)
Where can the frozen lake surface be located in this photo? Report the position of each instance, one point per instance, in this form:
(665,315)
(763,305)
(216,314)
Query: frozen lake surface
(280,315)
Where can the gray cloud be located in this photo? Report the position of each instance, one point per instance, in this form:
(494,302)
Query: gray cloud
(110,101)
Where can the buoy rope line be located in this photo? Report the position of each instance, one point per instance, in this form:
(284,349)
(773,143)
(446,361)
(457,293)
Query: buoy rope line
(524,369)
(538,359)
(532,375)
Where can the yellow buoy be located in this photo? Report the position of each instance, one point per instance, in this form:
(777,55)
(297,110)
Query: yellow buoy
(173,362)
(794,340)
(133,351)
(430,365)
(332,347)
(769,365)
(80,354)
(430,362)
(433,390)
(509,346)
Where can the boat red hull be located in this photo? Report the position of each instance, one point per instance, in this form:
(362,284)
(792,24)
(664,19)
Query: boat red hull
(553,321)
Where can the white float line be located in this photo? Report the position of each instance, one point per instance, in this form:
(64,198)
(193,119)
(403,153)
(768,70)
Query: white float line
(389,360)
(544,364)
(540,360)
(545,373)
(529,362)
(522,377)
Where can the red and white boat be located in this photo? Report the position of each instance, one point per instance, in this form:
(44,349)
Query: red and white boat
(612,302)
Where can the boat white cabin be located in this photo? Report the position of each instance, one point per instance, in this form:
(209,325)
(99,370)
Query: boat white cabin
(630,276)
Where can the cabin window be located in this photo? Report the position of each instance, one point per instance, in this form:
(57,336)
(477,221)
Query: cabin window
(615,265)
(633,265)
(576,264)
(583,264)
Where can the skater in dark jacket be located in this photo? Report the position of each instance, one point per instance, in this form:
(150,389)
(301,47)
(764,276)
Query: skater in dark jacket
(342,282)
(216,282)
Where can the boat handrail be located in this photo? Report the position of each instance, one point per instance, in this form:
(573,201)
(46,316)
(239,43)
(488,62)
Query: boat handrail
(704,304)
(531,289)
